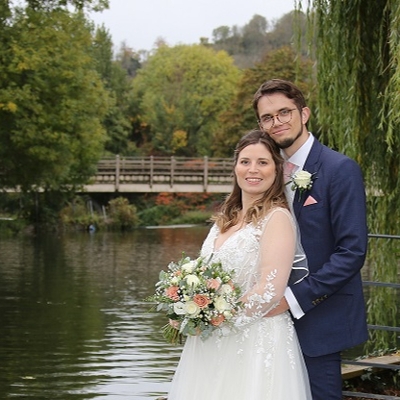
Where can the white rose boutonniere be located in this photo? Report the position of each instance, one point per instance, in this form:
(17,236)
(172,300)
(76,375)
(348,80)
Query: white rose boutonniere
(301,181)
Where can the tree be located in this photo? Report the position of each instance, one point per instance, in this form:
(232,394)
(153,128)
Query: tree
(180,92)
(117,82)
(287,29)
(249,44)
(221,34)
(48,5)
(129,60)
(254,35)
(229,40)
(240,117)
(358,72)
(52,102)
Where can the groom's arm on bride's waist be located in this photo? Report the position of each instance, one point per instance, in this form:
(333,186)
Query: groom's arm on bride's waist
(281,307)
(288,302)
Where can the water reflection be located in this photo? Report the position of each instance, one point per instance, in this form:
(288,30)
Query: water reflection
(73,323)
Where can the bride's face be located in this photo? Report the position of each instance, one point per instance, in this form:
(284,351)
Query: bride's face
(255,170)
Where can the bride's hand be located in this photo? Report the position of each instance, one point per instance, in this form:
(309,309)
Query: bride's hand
(279,309)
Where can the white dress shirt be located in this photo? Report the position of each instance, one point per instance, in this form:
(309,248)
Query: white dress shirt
(299,159)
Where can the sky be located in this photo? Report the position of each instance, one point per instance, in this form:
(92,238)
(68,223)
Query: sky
(139,23)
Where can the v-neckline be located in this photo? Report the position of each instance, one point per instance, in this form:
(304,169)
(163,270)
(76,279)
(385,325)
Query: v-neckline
(215,249)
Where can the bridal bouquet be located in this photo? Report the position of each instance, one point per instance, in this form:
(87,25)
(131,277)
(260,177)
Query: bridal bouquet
(197,296)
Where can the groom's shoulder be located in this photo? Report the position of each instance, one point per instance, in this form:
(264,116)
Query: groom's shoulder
(334,156)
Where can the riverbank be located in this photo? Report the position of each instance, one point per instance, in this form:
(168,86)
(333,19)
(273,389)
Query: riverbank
(122,213)
(370,379)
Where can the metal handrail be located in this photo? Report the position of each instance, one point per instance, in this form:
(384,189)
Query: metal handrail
(393,367)
(370,396)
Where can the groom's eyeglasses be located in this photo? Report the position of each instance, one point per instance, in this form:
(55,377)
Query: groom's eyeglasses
(268,121)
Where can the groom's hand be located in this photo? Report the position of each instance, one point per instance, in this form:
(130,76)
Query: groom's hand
(279,309)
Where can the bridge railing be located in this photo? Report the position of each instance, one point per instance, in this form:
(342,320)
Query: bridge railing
(164,172)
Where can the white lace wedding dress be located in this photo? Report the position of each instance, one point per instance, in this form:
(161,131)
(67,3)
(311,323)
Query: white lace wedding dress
(260,359)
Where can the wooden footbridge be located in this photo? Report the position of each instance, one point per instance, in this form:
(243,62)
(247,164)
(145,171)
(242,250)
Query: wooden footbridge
(162,174)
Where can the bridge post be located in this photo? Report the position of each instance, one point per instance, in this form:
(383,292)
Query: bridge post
(205,174)
(151,171)
(171,184)
(117,171)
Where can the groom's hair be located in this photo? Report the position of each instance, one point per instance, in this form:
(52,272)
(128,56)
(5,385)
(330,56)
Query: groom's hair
(288,89)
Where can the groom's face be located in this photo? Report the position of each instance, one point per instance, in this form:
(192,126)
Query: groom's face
(290,134)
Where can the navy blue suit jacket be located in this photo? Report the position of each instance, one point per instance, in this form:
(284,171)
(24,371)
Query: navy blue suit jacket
(334,237)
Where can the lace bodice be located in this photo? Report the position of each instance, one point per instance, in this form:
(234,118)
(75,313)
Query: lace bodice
(261,257)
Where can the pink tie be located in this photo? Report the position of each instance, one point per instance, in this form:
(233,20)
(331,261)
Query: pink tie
(288,169)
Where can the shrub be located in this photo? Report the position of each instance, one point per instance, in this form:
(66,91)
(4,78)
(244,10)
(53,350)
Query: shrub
(77,215)
(159,215)
(193,217)
(122,215)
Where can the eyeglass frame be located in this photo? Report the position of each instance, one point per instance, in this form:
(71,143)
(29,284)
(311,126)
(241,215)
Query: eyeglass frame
(276,116)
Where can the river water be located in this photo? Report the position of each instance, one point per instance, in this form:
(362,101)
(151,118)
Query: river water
(73,324)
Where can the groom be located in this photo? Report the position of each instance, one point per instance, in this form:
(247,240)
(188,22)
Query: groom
(328,306)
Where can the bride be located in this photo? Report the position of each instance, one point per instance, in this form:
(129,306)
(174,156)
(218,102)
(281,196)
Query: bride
(254,235)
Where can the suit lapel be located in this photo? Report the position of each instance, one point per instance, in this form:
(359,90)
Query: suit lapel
(311,165)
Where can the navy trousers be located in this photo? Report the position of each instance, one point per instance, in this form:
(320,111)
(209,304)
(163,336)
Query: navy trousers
(325,376)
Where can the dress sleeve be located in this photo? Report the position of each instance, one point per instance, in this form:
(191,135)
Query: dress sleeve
(276,254)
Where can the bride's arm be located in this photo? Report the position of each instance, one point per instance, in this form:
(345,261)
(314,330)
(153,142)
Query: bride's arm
(277,248)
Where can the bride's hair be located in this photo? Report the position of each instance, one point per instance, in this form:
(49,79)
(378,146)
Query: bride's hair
(273,197)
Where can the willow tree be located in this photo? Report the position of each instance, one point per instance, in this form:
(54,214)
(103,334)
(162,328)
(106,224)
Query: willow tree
(357,57)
